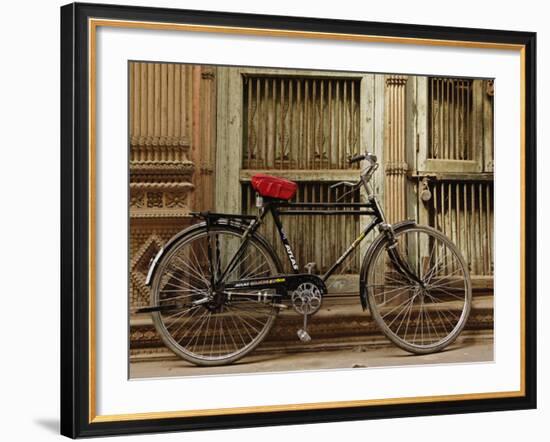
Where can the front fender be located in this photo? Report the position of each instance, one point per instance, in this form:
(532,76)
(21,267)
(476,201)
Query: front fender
(368,256)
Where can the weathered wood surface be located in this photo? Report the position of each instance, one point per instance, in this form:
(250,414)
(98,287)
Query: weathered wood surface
(172,138)
(304,174)
(395,165)
(229,116)
(198,133)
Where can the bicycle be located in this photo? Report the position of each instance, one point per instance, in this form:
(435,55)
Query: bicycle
(217,286)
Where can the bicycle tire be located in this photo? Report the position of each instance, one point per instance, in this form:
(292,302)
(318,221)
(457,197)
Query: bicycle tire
(237,346)
(447,294)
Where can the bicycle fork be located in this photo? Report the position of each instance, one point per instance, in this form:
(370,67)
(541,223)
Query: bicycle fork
(399,263)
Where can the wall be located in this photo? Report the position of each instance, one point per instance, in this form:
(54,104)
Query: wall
(29,180)
(199,133)
(172,143)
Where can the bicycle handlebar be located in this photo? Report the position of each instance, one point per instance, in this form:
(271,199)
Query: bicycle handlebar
(363,156)
(344,183)
(356,158)
(366,173)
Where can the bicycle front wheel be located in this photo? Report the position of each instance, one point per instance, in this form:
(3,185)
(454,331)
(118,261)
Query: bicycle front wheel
(207,326)
(427,313)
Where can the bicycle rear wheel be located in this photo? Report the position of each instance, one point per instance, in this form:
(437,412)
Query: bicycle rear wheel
(426,316)
(200,324)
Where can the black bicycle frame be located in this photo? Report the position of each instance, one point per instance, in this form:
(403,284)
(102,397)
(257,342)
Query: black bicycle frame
(370,208)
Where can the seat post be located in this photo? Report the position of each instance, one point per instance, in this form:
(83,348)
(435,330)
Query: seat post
(259,201)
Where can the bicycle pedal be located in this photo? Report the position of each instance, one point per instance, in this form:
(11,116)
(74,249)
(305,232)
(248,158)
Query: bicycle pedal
(303,335)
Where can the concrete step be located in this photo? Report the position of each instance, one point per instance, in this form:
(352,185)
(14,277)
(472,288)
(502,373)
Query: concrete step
(340,323)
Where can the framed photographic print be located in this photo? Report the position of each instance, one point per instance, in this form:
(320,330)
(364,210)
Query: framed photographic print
(274,220)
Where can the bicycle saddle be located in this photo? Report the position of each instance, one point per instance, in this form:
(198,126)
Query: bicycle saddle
(273,187)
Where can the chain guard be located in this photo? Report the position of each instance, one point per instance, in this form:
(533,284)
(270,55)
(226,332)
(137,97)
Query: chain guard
(282,283)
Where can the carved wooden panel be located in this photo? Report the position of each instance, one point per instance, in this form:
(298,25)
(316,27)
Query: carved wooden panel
(463,210)
(160,108)
(304,128)
(395,155)
(300,122)
(450,123)
(160,168)
(459,165)
(172,149)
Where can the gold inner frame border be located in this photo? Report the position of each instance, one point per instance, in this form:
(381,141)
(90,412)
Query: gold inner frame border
(93,24)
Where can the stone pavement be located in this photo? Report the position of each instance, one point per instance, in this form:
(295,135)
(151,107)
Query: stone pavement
(467,348)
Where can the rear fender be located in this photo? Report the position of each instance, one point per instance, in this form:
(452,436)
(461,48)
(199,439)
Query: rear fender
(368,256)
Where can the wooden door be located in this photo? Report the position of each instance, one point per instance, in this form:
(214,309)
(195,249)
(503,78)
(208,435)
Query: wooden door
(454,165)
(301,125)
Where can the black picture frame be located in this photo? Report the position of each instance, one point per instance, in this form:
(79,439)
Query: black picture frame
(76,417)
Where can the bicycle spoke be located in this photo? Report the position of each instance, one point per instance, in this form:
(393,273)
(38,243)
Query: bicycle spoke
(222,335)
(243,321)
(390,291)
(214,335)
(247,314)
(180,313)
(177,291)
(185,284)
(438,301)
(194,271)
(460,298)
(237,329)
(244,257)
(206,330)
(408,302)
(407,312)
(198,266)
(192,326)
(429,322)
(396,307)
(253,272)
(191,343)
(409,319)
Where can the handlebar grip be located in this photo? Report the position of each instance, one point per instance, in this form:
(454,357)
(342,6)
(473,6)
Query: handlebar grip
(356,158)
